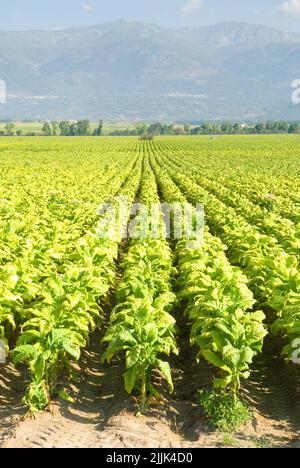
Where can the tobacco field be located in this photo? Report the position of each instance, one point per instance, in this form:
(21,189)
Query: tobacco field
(201,326)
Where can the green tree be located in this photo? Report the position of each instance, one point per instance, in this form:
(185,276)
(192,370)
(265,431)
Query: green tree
(284,127)
(206,128)
(216,129)
(237,128)
(141,129)
(73,129)
(294,127)
(9,129)
(155,129)
(83,127)
(99,130)
(55,128)
(64,128)
(227,128)
(187,129)
(47,131)
(260,128)
(168,130)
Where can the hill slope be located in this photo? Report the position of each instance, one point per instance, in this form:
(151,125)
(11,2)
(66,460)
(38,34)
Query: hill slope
(133,70)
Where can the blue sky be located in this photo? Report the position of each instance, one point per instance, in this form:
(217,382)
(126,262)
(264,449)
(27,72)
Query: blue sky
(54,14)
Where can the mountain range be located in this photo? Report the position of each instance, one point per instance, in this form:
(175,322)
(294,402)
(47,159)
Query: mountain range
(129,70)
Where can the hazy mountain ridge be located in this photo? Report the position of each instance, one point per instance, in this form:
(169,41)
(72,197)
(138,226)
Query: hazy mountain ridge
(142,71)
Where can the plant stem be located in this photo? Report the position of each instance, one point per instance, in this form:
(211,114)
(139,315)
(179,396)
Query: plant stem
(143,391)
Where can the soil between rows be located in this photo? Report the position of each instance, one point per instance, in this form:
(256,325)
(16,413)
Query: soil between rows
(103,415)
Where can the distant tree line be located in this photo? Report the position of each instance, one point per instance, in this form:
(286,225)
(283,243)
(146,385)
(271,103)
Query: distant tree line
(66,128)
(209,128)
(10,130)
(228,128)
(143,130)
(57,128)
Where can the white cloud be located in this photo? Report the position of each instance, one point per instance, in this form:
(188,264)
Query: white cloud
(190,6)
(291,8)
(87,7)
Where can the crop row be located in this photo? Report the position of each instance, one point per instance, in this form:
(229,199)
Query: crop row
(141,325)
(273,274)
(283,229)
(216,299)
(54,288)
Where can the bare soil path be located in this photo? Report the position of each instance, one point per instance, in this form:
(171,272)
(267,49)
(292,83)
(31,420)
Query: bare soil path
(104,417)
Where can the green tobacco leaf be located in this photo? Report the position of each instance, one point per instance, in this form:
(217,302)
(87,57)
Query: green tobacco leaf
(211,357)
(64,395)
(24,353)
(166,370)
(130,378)
(133,357)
